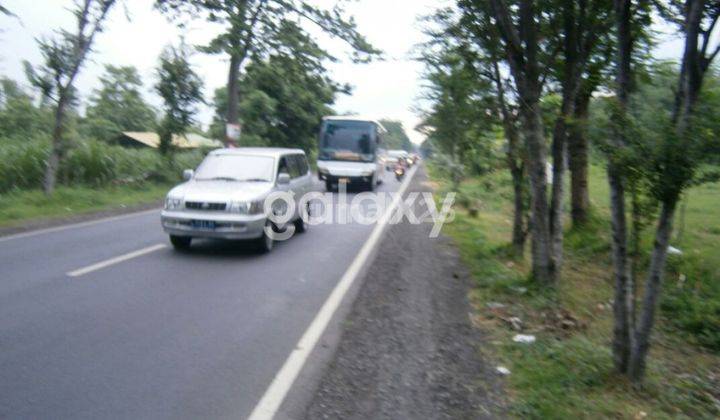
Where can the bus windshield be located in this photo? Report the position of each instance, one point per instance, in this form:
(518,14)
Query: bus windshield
(347,140)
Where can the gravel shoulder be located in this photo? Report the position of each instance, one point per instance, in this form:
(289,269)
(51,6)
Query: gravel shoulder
(408,347)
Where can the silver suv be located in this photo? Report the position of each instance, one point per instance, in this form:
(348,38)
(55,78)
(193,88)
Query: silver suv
(225,197)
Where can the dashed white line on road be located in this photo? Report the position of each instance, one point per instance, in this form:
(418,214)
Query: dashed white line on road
(115,260)
(270,402)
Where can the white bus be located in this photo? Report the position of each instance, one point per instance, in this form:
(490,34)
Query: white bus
(349,152)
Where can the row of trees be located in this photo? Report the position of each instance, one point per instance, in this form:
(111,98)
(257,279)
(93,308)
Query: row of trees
(276,79)
(531,68)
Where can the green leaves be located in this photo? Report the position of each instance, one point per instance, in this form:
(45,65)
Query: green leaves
(181,90)
(258,26)
(118,105)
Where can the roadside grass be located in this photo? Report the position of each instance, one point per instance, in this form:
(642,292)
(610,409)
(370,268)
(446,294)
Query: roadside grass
(567,372)
(20,206)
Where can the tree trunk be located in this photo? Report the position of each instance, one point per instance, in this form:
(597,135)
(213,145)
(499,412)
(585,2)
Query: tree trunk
(569,82)
(641,343)
(233,95)
(542,268)
(515,164)
(558,171)
(518,234)
(622,305)
(56,148)
(522,56)
(578,162)
(622,309)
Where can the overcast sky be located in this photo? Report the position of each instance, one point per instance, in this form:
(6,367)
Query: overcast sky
(135,35)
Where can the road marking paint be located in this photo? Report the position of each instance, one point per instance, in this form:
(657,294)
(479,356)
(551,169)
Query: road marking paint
(77,225)
(270,402)
(115,260)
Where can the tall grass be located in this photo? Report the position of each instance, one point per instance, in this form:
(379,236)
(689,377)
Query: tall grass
(88,163)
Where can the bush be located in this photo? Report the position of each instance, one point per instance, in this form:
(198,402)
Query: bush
(22,165)
(691,300)
(90,163)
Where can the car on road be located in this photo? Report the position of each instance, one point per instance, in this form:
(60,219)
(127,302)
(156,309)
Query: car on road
(394,156)
(225,197)
(350,153)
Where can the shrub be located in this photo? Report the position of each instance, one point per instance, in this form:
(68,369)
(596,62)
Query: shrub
(90,163)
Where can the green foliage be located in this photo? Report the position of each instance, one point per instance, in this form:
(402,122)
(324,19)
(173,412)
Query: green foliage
(257,26)
(20,118)
(396,137)
(568,374)
(22,163)
(117,105)
(181,90)
(90,163)
(282,98)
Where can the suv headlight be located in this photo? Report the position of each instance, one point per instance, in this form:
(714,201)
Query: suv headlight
(172,203)
(245,207)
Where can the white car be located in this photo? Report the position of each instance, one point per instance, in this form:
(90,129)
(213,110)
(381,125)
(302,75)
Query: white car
(225,197)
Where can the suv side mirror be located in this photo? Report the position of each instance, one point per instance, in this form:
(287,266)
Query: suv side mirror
(188,174)
(283,178)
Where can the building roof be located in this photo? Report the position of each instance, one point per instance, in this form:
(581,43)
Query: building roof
(188,141)
(263,151)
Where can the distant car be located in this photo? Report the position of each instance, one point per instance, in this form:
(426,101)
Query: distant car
(225,197)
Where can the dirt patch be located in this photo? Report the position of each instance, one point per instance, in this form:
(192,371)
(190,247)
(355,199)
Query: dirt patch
(409,348)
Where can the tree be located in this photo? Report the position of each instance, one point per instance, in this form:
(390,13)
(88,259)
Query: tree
(523,33)
(285,95)
(181,90)
(64,55)
(662,152)
(680,154)
(256,27)
(584,47)
(118,104)
(472,37)
(396,137)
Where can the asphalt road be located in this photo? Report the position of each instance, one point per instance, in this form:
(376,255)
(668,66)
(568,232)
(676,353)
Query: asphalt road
(161,334)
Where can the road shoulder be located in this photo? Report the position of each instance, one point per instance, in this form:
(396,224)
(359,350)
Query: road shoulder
(53,222)
(408,348)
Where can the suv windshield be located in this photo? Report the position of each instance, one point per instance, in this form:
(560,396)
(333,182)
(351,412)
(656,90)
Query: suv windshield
(347,140)
(236,168)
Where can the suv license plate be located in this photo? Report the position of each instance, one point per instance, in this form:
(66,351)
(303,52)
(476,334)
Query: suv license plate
(343,181)
(203,224)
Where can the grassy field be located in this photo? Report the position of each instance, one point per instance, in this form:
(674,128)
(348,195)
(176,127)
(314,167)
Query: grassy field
(21,206)
(567,372)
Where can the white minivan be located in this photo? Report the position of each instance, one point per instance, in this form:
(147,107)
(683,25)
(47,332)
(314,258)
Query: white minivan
(349,152)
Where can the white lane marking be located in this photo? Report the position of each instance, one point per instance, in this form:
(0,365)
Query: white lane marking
(270,402)
(115,260)
(77,225)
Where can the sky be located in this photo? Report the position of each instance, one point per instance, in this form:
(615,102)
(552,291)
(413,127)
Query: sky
(135,34)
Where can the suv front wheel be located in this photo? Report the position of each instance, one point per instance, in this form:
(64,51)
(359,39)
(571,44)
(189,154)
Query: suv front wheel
(266,242)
